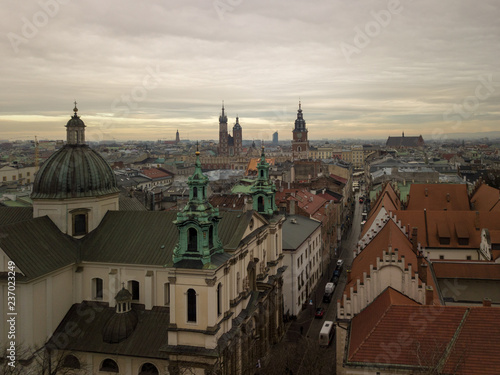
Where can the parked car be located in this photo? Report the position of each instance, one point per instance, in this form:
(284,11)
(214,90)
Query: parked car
(340,263)
(319,313)
(336,276)
(361,199)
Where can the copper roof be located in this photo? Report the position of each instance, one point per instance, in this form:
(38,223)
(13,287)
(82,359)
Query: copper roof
(74,171)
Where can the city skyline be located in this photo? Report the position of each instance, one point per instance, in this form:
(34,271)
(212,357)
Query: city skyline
(361,71)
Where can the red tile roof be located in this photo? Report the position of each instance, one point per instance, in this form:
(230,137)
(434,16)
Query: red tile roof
(486,198)
(306,200)
(391,235)
(466,270)
(339,179)
(154,173)
(413,335)
(373,313)
(433,224)
(478,344)
(452,197)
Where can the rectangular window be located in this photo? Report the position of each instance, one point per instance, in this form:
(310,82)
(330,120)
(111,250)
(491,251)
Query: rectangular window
(469,257)
(166,294)
(28,174)
(441,257)
(4,178)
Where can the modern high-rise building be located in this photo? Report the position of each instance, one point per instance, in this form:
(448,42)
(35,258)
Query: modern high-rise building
(229,145)
(300,144)
(275,138)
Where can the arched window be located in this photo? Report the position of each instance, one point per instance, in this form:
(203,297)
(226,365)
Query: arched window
(195,193)
(219,299)
(109,365)
(260,204)
(133,287)
(96,288)
(148,369)
(211,237)
(191,302)
(70,361)
(261,173)
(192,239)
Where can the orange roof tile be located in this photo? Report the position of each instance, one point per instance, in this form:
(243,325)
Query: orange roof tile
(486,198)
(466,270)
(372,314)
(463,224)
(405,330)
(252,164)
(391,235)
(452,197)
(478,344)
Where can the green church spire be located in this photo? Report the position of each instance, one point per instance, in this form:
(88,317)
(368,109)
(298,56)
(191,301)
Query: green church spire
(198,222)
(263,191)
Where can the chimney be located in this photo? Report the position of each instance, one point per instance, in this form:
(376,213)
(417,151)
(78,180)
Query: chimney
(429,295)
(486,302)
(422,270)
(476,221)
(414,232)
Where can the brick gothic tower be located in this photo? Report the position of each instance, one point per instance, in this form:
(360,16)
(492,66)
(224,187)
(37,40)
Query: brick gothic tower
(238,137)
(223,146)
(300,144)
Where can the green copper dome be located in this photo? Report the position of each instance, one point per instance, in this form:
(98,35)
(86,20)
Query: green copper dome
(75,171)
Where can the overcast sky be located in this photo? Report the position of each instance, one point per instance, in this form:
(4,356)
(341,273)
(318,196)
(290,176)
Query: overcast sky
(141,70)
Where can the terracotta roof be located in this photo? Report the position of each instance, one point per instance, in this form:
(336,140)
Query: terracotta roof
(423,336)
(466,270)
(452,197)
(252,164)
(155,173)
(391,235)
(228,201)
(372,314)
(457,225)
(387,198)
(478,344)
(486,198)
(429,327)
(338,178)
(306,200)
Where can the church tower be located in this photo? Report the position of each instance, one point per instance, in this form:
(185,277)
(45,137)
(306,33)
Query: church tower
(238,138)
(198,223)
(223,146)
(300,144)
(177,138)
(263,191)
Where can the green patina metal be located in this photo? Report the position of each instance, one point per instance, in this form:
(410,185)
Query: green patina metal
(198,223)
(75,171)
(263,191)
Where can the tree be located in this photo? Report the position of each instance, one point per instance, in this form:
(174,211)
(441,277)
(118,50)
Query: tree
(41,361)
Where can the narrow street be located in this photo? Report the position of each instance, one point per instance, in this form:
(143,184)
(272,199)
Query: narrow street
(306,326)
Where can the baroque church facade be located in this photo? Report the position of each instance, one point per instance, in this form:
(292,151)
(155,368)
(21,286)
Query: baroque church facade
(137,292)
(229,145)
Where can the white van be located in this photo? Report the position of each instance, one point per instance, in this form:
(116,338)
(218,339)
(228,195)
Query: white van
(327,333)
